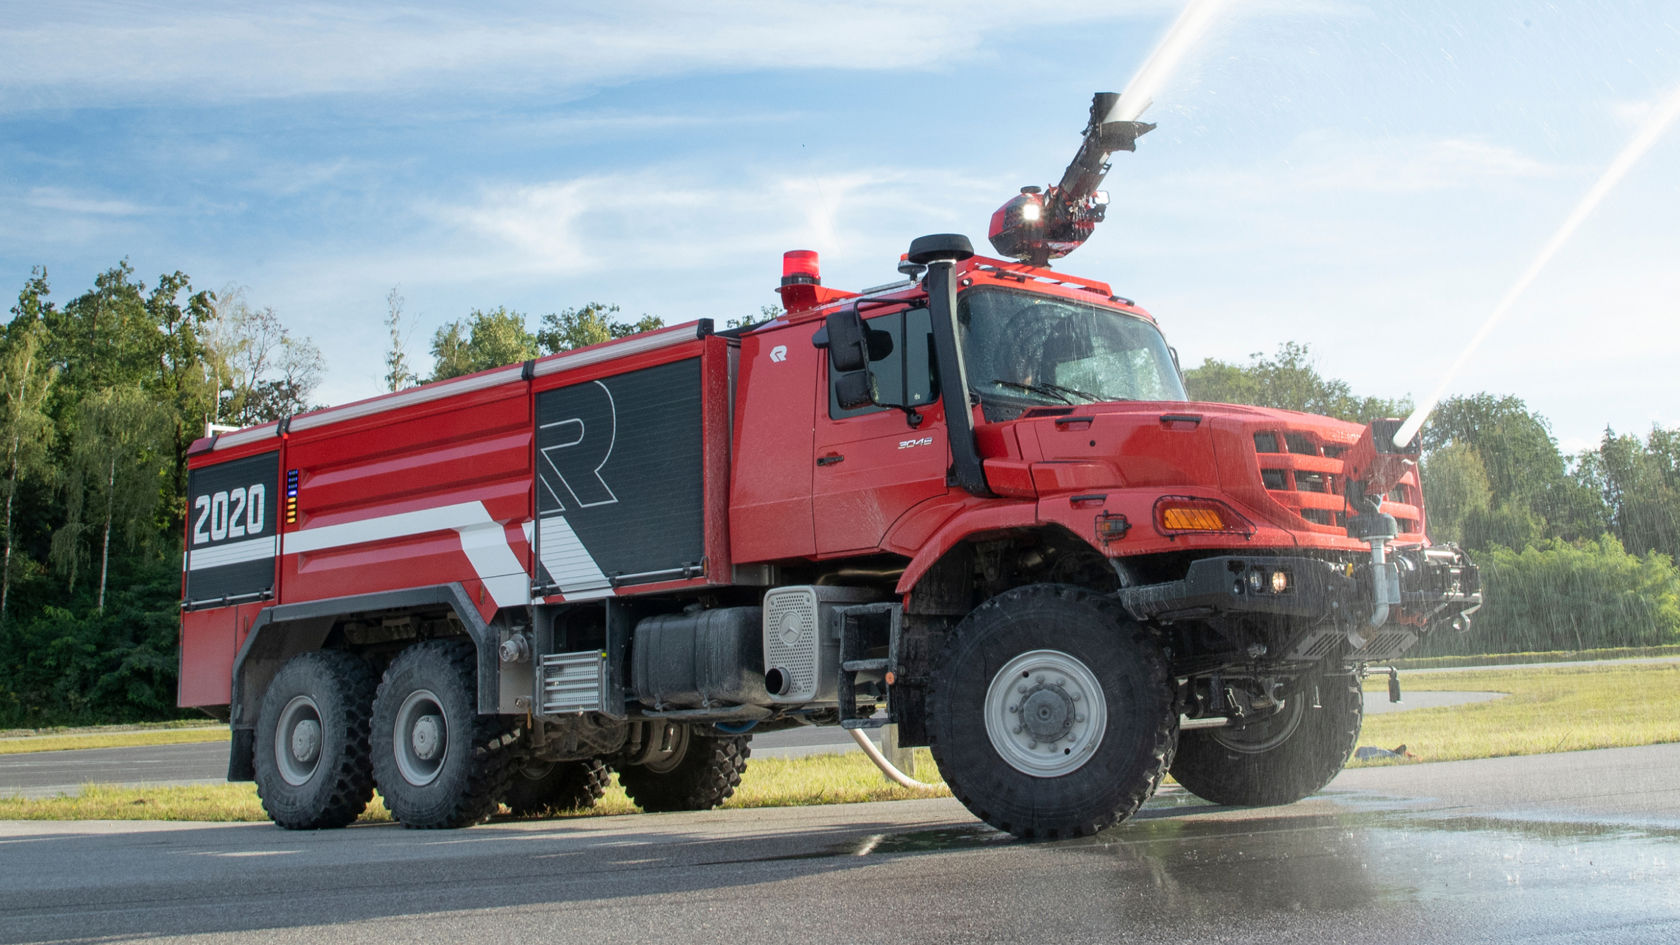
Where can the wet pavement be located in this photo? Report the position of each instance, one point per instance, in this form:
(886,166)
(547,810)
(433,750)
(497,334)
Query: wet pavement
(1579,847)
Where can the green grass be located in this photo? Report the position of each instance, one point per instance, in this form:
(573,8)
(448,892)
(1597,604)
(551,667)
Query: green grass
(769,782)
(1541,656)
(111,736)
(1544,710)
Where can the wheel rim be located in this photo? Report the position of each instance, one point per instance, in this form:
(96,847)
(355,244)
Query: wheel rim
(1045,713)
(297,742)
(420,737)
(1266,734)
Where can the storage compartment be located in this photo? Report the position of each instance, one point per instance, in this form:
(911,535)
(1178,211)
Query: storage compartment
(699,660)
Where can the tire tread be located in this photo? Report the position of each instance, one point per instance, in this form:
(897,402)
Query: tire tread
(347,678)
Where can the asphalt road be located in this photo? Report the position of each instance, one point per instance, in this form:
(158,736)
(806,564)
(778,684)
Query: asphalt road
(1576,848)
(44,774)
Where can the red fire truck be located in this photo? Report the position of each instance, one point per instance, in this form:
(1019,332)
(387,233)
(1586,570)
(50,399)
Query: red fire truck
(976,498)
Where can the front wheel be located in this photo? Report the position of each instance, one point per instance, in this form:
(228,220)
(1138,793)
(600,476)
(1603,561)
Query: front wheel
(437,761)
(1280,759)
(1050,714)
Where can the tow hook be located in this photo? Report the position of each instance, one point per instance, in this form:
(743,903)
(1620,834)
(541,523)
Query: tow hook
(1393,679)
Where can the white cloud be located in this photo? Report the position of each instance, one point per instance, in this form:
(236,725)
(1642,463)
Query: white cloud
(92,53)
(590,224)
(1327,162)
(61,200)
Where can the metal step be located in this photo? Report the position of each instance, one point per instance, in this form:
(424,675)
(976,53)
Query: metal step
(853,724)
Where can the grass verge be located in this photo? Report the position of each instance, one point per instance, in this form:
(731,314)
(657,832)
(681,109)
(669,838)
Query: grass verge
(113,736)
(768,782)
(1539,656)
(1544,710)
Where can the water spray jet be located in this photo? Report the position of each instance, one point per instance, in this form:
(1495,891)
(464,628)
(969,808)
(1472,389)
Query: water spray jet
(1661,117)
(1193,21)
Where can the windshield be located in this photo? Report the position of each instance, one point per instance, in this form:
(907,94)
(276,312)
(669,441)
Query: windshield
(1024,350)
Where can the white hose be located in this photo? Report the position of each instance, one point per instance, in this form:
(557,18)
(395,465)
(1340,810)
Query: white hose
(886,766)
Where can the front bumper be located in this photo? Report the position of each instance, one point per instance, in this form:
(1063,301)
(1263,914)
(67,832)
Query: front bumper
(1328,603)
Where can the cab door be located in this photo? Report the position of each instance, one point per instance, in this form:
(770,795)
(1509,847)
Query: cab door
(871,464)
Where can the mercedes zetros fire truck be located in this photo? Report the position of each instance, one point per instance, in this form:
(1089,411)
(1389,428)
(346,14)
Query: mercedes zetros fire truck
(975,502)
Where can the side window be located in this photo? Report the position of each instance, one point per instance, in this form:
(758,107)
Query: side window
(905,371)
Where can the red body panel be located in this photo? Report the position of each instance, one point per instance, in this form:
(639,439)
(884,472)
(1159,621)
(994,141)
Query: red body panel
(1072,467)
(436,485)
(393,500)
(780,377)
(878,466)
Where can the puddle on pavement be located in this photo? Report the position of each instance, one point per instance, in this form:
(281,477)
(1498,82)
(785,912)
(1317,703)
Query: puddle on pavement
(1333,859)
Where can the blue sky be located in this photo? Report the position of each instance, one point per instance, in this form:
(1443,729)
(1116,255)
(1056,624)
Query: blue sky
(1368,178)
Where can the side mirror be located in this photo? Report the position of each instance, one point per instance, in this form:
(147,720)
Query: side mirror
(854,389)
(848,344)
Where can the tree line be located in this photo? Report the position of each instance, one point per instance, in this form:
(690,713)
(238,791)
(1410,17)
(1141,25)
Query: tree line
(100,398)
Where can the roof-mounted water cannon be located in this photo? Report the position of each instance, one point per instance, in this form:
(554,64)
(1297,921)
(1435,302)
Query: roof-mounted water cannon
(1039,225)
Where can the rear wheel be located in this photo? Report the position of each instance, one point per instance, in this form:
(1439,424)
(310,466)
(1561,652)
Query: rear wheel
(1279,759)
(1050,713)
(691,772)
(539,787)
(437,761)
(311,759)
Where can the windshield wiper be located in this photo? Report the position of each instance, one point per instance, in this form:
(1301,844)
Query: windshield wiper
(1054,390)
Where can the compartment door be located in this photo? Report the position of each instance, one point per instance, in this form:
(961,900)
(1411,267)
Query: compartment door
(620,498)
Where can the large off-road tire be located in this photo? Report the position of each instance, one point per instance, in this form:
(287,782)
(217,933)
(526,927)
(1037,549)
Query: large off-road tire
(699,773)
(438,762)
(1279,759)
(540,787)
(311,757)
(1050,713)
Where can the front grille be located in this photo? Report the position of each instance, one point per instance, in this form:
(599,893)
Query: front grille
(1313,482)
(1304,473)
(1300,445)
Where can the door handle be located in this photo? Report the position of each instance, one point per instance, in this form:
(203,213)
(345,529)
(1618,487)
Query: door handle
(830,459)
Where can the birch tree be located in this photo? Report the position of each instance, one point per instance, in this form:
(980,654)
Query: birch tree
(111,490)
